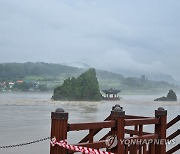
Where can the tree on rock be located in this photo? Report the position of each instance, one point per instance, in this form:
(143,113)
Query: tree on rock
(84,88)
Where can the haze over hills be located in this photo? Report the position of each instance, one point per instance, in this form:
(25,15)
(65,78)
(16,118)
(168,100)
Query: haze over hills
(78,65)
(53,75)
(156,76)
(151,75)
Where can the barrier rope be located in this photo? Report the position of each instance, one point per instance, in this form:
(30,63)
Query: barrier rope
(22,144)
(86,150)
(62,143)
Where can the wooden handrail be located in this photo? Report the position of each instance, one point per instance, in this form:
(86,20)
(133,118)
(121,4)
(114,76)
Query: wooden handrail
(174,149)
(173,135)
(135,132)
(146,121)
(86,138)
(105,136)
(92,125)
(143,137)
(135,117)
(117,122)
(172,122)
(127,131)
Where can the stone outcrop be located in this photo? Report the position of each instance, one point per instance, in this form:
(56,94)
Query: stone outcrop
(171,96)
(83,88)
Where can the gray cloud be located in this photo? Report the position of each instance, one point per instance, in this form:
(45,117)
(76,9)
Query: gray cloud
(133,35)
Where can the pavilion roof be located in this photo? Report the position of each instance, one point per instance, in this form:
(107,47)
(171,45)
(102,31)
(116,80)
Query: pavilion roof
(111,91)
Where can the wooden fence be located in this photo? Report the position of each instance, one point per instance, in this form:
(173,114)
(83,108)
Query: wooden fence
(118,122)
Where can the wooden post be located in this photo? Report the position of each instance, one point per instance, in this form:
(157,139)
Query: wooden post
(118,115)
(161,130)
(59,124)
(91,135)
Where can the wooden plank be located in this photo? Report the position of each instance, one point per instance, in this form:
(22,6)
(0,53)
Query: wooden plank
(135,149)
(135,132)
(135,117)
(120,133)
(174,149)
(160,129)
(105,136)
(126,149)
(173,135)
(58,130)
(140,149)
(93,125)
(172,122)
(131,149)
(152,149)
(145,149)
(149,136)
(147,121)
(91,135)
(86,138)
(118,116)
(136,127)
(140,130)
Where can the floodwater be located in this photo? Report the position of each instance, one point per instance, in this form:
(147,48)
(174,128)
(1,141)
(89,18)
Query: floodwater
(25,117)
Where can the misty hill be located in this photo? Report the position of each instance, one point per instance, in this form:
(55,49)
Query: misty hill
(21,70)
(156,76)
(78,65)
(150,74)
(54,75)
(11,71)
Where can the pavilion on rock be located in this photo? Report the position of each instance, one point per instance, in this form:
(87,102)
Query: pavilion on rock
(111,94)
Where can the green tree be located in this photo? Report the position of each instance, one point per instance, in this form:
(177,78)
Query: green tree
(85,87)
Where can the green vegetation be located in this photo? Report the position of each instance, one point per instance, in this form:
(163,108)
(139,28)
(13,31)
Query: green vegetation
(9,71)
(84,88)
(49,76)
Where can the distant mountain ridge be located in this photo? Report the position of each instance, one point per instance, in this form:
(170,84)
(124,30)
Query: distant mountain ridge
(54,74)
(21,70)
(156,76)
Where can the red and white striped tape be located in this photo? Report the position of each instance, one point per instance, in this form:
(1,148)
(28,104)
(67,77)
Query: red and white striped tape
(86,150)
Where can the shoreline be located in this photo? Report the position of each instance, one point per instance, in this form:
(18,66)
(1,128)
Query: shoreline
(45,98)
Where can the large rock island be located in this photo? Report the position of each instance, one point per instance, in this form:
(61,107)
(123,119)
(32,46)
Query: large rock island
(171,96)
(84,88)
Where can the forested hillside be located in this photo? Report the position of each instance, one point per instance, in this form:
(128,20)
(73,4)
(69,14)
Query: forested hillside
(48,76)
(21,70)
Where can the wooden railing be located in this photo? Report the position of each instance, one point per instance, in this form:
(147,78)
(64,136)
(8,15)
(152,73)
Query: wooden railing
(173,135)
(118,124)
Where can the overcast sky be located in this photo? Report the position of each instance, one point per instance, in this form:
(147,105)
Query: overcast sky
(121,34)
